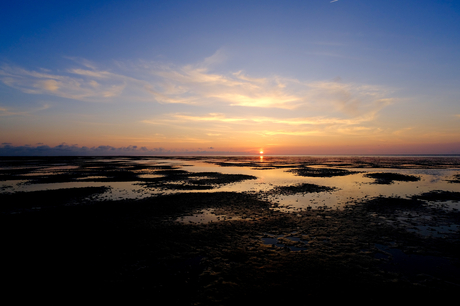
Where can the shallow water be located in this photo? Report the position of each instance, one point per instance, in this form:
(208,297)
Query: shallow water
(348,188)
(205,216)
(118,190)
(241,235)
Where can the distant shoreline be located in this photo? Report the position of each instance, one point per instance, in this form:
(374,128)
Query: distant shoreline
(242,155)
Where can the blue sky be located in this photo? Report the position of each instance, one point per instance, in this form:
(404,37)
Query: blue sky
(289,77)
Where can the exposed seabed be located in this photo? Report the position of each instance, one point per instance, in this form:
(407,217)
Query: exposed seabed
(223,230)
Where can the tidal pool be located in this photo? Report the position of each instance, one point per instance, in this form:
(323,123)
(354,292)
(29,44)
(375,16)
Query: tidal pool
(145,177)
(325,227)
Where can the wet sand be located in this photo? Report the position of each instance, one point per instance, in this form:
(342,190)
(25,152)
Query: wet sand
(222,231)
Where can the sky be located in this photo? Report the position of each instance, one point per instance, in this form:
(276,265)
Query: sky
(229,77)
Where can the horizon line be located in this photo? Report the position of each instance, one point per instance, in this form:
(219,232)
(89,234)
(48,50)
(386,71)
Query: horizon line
(239,154)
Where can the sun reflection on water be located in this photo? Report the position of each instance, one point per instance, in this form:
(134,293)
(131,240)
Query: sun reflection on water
(274,173)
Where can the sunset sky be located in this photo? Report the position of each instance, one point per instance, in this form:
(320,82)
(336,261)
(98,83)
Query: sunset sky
(229,77)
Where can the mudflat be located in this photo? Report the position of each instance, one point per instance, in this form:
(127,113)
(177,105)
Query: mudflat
(227,230)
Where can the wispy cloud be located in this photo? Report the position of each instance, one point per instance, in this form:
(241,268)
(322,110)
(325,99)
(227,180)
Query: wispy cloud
(6,111)
(219,123)
(238,105)
(219,117)
(194,85)
(78,84)
(246,105)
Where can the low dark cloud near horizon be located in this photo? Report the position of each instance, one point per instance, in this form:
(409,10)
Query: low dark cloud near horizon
(7,149)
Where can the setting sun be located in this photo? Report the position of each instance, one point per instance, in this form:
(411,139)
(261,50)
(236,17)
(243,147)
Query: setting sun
(261,152)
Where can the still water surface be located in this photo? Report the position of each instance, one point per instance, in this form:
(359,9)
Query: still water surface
(348,188)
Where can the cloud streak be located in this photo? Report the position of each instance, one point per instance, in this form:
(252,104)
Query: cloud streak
(212,123)
(197,85)
(77,84)
(224,103)
(7,112)
(222,118)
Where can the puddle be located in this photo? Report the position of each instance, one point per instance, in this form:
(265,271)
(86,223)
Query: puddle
(295,203)
(149,176)
(435,231)
(89,178)
(205,216)
(37,174)
(64,167)
(286,242)
(348,189)
(117,191)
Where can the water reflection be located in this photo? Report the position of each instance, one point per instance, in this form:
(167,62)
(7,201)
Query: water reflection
(270,172)
(206,216)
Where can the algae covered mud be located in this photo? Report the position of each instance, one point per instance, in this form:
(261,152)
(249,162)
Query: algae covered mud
(220,230)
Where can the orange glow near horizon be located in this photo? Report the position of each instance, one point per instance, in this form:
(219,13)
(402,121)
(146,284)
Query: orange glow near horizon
(261,152)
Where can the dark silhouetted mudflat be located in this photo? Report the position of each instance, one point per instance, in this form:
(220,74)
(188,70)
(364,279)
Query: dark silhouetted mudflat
(389,178)
(69,242)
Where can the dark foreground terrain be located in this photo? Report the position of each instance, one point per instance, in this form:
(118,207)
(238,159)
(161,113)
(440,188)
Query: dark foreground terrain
(136,250)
